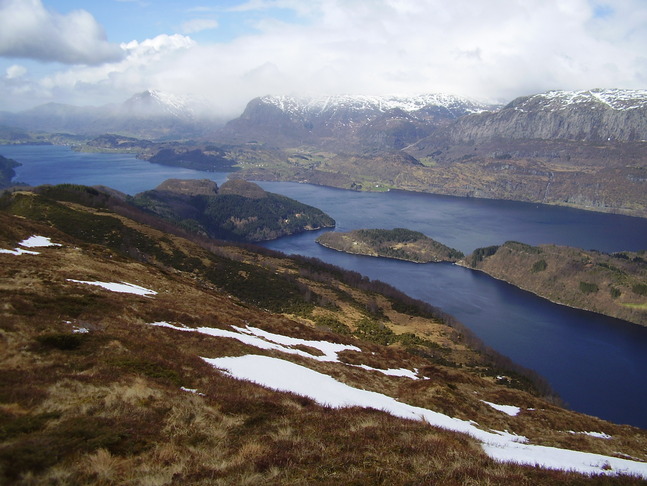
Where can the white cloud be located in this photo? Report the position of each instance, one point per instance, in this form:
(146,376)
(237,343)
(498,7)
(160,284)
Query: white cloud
(28,30)
(198,25)
(493,50)
(15,71)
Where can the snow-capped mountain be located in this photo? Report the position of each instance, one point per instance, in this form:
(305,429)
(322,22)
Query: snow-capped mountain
(349,121)
(361,105)
(605,99)
(160,103)
(592,115)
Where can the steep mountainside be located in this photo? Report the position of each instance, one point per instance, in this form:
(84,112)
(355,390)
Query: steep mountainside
(131,355)
(239,210)
(595,115)
(584,149)
(614,285)
(347,123)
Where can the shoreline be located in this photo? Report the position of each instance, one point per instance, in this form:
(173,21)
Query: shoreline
(460,264)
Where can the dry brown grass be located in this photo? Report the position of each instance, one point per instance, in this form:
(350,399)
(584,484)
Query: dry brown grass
(110,410)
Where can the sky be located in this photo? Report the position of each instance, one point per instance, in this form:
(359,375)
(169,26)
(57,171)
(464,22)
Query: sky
(230,51)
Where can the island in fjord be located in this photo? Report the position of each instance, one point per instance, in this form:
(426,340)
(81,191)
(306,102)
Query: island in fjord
(398,243)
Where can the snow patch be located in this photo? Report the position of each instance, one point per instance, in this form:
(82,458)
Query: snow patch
(262,339)
(507,409)
(123,287)
(286,376)
(31,242)
(38,242)
(598,435)
(19,251)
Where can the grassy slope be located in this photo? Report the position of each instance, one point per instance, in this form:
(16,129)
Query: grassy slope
(105,407)
(615,285)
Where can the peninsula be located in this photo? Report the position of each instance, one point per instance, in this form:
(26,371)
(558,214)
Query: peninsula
(611,284)
(398,243)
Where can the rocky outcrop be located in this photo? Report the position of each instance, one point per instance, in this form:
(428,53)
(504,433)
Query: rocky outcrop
(347,122)
(595,115)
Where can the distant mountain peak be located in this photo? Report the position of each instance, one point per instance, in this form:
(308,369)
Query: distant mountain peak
(310,105)
(610,99)
(154,102)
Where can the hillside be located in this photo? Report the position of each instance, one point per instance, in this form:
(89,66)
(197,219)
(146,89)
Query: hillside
(398,243)
(7,172)
(614,285)
(132,355)
(238,210)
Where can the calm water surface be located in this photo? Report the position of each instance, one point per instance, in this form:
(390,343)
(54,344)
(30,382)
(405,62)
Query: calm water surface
(597,364)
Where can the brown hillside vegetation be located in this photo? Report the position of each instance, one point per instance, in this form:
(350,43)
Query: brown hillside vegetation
(398,243)
(93,393)
(614,285)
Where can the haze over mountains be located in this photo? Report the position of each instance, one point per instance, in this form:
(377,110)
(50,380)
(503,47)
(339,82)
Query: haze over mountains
(150,114)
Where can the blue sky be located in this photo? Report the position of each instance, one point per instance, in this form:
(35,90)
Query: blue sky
(217,21)
(229,51)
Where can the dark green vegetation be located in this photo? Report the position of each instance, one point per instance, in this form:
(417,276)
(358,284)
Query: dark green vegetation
(398,243)
(210,159)
(90,392)
(7,172)
(238,211)
(613,284)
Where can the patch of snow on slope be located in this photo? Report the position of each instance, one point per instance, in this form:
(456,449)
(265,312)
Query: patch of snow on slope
(123,287)
(285,376)
(507,409)
(31,242)
(18,251)
(37,242)
(261,339)
(597,435)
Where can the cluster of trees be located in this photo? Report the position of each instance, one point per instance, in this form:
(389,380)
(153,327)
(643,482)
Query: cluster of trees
(7,172)
(235,217)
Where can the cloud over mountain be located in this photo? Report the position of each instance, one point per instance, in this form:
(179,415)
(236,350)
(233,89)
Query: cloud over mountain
(494,50)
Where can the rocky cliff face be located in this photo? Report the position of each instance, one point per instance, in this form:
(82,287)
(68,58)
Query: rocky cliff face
(369,122)
(594,115)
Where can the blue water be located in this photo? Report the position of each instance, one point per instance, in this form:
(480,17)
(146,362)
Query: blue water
(597,364)
(56,164)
